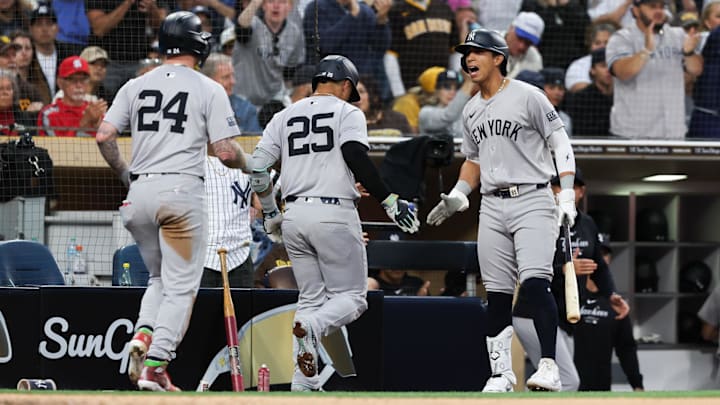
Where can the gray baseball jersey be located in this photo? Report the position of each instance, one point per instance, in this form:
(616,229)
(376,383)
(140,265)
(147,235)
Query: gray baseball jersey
(322,235)
(651,104)
(259,62)
(172,111)
(507,136)
(306,137)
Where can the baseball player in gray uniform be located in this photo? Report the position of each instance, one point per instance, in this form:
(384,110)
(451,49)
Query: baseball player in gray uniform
(172,112)
(322,143)
(510,130)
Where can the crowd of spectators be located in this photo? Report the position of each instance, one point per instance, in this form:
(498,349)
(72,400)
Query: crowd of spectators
(658,78)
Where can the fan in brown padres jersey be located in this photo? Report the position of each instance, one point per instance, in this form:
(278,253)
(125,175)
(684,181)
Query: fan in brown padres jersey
(510,131)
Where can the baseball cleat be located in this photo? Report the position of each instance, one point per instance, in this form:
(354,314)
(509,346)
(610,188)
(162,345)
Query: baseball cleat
(498,383)
(156,378)
(297,387)
(138,349)
(307,349)
(546,378)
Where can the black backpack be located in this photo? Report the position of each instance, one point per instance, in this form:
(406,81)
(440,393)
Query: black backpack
(25,169)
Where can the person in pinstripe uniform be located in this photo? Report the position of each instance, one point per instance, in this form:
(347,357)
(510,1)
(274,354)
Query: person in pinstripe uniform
(229,199)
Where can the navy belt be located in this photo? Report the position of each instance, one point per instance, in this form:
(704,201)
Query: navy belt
(134,176)
(517,190)
(323,200)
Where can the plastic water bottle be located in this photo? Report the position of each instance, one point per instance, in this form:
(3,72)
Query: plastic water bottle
(125,279)
(79,263)
(263,379)
(69,262)
(473,25)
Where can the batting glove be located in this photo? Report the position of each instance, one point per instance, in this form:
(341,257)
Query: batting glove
(566,206)
(449,204)
(403,213)
(272,224)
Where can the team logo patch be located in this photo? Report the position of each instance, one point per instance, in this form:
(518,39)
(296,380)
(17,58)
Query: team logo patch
(551,116)
(231,121)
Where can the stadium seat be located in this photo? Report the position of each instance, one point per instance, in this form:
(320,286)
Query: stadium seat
(138,272)
(26,263)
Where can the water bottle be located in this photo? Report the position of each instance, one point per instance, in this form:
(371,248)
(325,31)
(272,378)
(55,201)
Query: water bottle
(125,279)
(263,379)
(473,25)
(79,263)
(69,262)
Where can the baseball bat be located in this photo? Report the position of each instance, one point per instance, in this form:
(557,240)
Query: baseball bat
(572,302)
(230,327)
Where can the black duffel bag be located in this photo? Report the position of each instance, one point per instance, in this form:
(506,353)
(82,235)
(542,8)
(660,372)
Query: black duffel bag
(25,169)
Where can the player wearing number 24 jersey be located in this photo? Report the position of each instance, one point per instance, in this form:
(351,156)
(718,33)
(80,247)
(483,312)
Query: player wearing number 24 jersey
(172,113)
(322,143)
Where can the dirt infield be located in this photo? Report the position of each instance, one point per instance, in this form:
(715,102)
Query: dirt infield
(329,399)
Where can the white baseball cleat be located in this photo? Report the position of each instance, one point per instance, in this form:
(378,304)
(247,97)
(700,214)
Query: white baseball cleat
(499,383)
(500,356)
(546,378)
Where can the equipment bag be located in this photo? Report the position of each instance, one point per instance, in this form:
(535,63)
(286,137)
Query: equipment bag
(25,170)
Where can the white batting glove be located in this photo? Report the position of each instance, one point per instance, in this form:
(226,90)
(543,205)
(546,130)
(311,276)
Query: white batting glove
(449,204)
(272,222)
(566,206)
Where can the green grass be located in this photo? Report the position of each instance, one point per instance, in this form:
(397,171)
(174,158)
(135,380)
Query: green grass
(414,394)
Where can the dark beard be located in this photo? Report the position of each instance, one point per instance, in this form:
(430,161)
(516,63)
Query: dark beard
(658,28)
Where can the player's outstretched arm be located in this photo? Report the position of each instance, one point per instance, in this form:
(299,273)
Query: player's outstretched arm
(106,139)
(231,154)
(457,200)
(403,213)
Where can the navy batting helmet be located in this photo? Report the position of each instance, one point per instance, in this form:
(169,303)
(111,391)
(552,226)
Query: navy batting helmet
(695,277)
(337,68)
(181,33)
(646,275)
(651,225)
(482,38)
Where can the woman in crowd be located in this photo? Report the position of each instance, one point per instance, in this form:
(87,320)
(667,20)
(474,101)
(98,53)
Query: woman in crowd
(380,121)
(24,54)
(445,117)
(10,114)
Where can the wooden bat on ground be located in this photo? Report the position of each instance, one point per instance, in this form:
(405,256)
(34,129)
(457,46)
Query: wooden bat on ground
(230,327)
(572,302)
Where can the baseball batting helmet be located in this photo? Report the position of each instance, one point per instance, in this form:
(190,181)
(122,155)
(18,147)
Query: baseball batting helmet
(688,327)
(652,225)
(482,38)
(337,68)
(646,275)
(695,277)
(181,33)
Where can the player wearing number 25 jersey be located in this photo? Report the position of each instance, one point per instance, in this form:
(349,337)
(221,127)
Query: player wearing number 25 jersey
(172,112)
(322,144)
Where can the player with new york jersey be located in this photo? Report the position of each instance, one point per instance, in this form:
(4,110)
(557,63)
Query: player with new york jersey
(510,133)
(172,113)
(322,143)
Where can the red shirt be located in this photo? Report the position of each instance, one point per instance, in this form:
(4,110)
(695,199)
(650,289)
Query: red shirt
(60,115)
(7,118)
